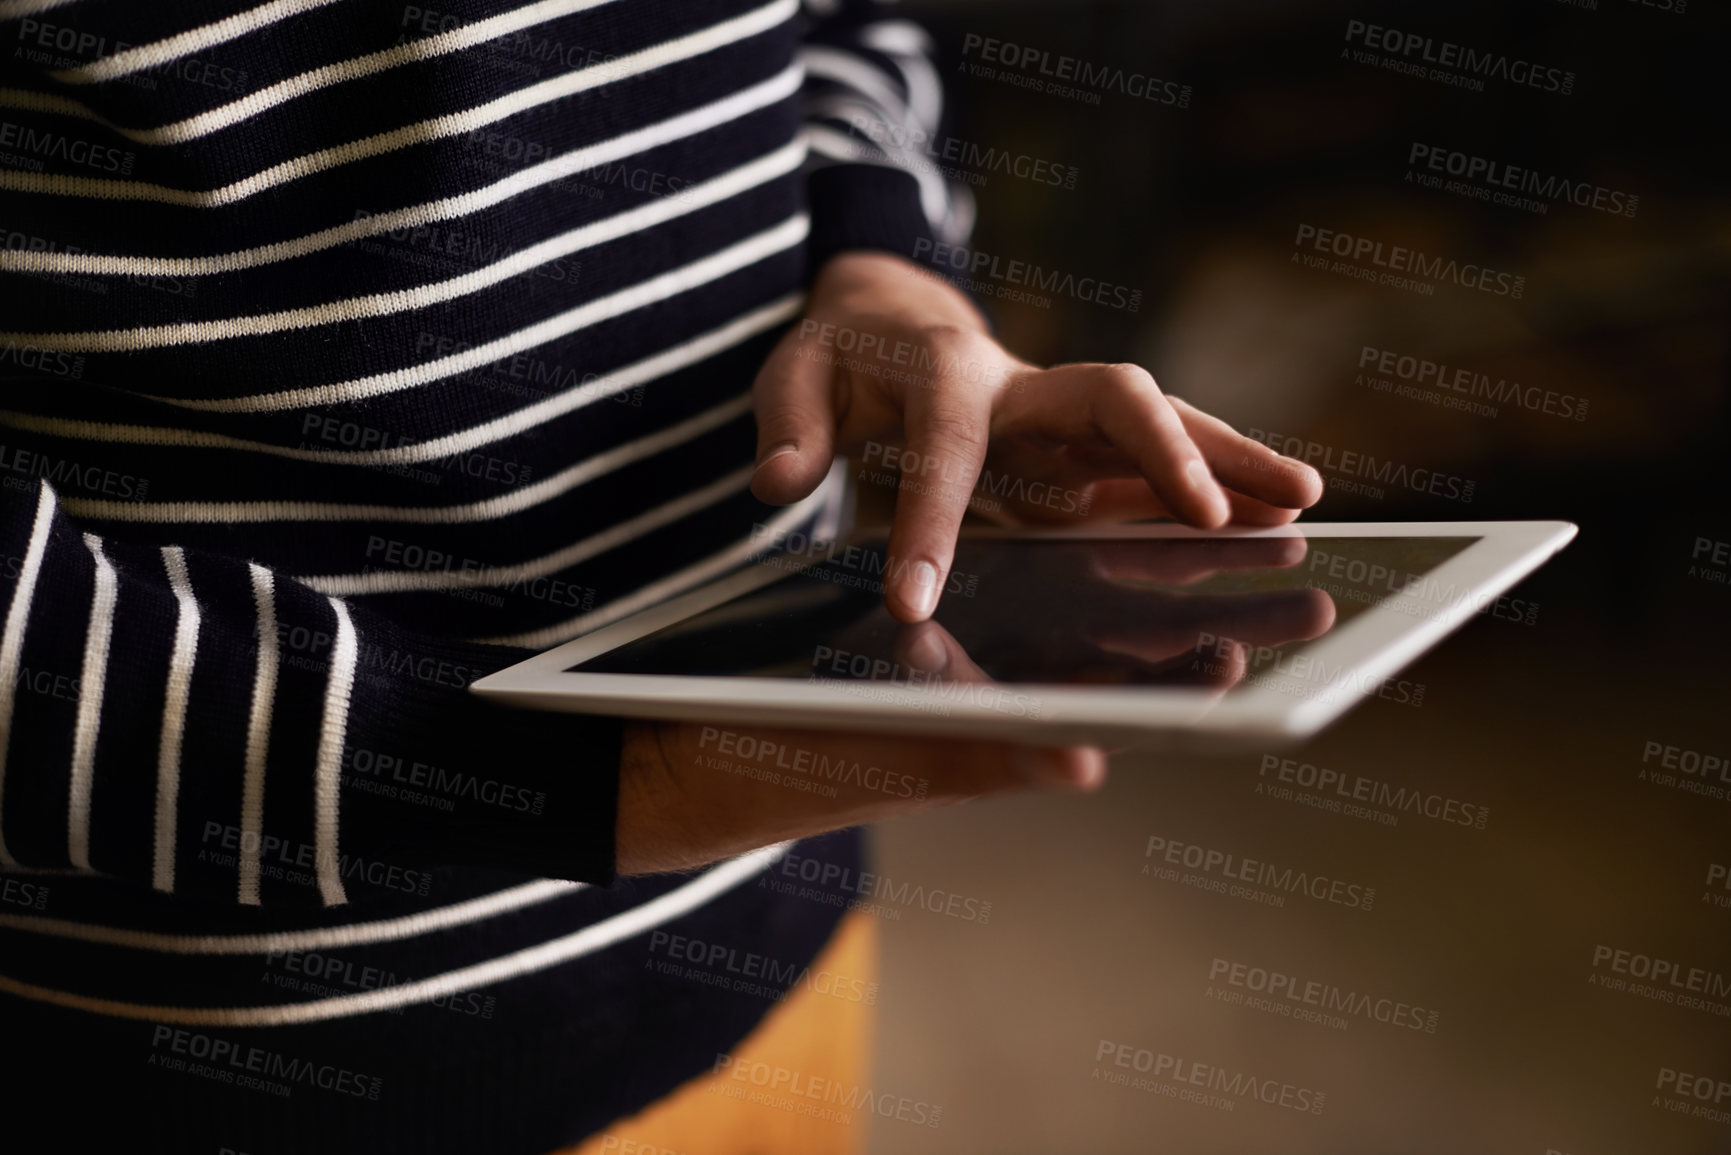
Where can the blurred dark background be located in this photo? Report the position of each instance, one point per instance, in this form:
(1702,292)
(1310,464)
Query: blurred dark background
(1198,207)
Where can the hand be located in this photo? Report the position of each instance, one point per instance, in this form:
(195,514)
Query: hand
(890,353)
(690,794)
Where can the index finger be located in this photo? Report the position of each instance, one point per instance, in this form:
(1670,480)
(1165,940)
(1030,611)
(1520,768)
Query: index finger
(948,426)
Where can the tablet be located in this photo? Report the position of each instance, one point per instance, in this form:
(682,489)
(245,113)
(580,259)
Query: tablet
(1144,635)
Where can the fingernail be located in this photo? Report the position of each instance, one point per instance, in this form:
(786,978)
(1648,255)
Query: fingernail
(923,598)
(1200,478)
(1206,487)
(776,451)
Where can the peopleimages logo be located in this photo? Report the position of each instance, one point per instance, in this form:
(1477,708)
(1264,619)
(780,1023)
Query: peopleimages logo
(57,146)
(1207,860)
(814,1096)
(1398,259)
(1041,70)
(52,362)
(66,475)
(395,776)
(519,50)
(1505,180)
(1439,382)
(1418,597)
(1662,979)
(1707,1092)
(735,752)
(980,270)
(961,160)
(730,968)
(1375,792)
(274,1072)
(1429,58)
(838,885)
(28,894)
(1350,464)
(41,41)
(1174,1077)
(1287,993)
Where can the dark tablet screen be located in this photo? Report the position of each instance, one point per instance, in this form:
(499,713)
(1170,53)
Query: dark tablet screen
(1110,612)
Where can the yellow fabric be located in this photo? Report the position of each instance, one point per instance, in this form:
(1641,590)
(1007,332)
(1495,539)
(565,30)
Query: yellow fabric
(782,1094)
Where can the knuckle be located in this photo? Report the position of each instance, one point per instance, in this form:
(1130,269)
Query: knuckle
(781,416)
(944,334)
(955,344)
(1130,377)
(964,359)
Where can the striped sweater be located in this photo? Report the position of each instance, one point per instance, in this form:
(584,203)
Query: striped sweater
(348,351)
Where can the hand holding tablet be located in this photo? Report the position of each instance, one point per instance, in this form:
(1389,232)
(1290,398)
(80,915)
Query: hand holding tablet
(690,792)
(825,686)
(809,707)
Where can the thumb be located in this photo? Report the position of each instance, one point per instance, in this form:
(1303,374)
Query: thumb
(795,421)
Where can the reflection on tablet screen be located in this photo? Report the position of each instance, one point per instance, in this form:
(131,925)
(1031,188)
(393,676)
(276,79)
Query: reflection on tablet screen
(1113,612)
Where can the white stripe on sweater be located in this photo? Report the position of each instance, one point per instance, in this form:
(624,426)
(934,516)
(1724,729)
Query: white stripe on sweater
(15,9)
(92,683)
(686,47)
(781,86)
(333,732)
(179,690)
(614,536)
(12,641)
(258,734)
(343,71)
(324,938)
(595,937)
(690,199)
(864,77)
(910,46)
(671,585)
(184,44)
(742,328)
(789,234)
(518,500)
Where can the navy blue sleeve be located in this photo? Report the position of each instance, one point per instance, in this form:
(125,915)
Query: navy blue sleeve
(873,103)
(204,726)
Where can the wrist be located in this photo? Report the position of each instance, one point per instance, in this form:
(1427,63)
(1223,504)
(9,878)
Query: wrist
(647,837)
(863,280)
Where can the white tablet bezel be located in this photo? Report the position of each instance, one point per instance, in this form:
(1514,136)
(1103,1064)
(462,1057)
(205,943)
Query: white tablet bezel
(1362,654)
